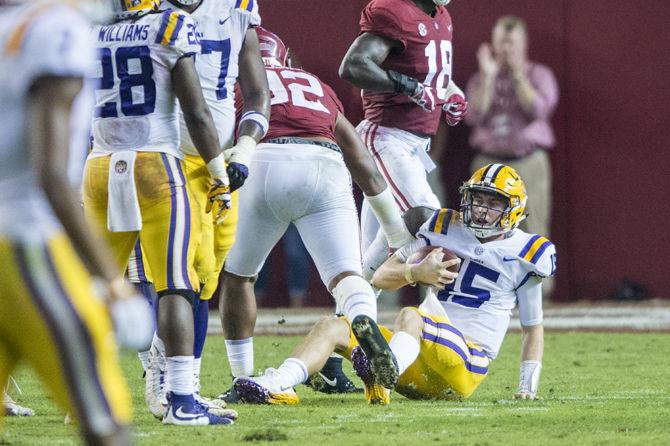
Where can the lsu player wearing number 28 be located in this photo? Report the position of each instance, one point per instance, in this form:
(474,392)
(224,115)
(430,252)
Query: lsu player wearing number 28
(134,182)
(229,53)
(444,347)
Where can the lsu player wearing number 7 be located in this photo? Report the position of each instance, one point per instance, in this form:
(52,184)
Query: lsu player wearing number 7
(229,54)
(134,182)
(444,347)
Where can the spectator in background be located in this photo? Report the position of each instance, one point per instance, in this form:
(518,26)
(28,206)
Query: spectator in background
(511,102)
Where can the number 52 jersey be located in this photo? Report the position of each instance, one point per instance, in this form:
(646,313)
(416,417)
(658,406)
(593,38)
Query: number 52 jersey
(135,107)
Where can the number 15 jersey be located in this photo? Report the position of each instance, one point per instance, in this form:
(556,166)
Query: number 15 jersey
(479,303)
(136,108)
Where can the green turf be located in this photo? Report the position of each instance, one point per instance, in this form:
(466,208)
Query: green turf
(597,388)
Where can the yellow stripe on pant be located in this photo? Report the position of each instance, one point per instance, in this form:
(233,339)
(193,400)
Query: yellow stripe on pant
(216,240)
(448,366)
(170,218)
(52,319)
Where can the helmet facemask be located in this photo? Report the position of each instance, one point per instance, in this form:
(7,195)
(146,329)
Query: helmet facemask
(187,2)
(501,224)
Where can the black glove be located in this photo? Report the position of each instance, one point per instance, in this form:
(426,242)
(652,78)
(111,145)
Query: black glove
(237,174)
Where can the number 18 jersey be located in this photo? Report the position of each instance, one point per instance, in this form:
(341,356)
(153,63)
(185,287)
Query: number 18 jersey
(135,107)
(426,55)
(479,303)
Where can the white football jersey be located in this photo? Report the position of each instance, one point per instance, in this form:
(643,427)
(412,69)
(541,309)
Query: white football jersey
(222,26)
(37,39)
(136,108)
(480,301)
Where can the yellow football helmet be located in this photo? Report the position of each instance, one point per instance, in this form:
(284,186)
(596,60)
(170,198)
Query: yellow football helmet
(501,180)
(135,5)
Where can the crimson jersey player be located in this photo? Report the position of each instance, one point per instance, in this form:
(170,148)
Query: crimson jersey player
(402,60)
(313,110)
(301,176)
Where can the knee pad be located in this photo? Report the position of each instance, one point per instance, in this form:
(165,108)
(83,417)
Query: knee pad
(191,296)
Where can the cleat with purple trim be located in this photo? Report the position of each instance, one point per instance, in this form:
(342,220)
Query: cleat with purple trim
(383,364)
(184,410)
(265,389)
(374,393)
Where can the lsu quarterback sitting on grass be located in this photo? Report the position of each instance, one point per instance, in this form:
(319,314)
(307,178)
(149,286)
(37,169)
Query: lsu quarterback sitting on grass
(444,347)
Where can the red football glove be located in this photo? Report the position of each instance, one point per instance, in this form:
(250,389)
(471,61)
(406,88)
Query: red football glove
(455,109)
(424,97)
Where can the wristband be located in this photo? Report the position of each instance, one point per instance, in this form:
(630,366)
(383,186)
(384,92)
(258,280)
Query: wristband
(259,118)
(529,376)
(403,83)
(409,277)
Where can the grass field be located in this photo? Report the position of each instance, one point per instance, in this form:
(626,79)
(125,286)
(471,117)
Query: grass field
(597,388)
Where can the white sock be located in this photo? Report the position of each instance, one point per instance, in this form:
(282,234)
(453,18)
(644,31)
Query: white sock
(241,356)
(197,362)
(355,297)
(144,359)
(180,375)
(292,372)
(406,349)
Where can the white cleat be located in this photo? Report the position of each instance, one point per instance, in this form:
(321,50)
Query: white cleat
(155,392)
(13,409)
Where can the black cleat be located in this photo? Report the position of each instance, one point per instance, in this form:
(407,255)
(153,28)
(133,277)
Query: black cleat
(230,396)
(382,361)
(331,379)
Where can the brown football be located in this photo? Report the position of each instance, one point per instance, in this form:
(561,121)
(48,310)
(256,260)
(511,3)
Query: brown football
(420,254)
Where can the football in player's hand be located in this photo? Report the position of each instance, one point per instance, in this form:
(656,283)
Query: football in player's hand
(420,254)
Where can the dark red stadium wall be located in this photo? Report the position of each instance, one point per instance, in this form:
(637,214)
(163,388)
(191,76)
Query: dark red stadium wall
(611,165)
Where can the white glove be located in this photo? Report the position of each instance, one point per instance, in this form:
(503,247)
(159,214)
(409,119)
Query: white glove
(134,322)
(529,380)
(241,152)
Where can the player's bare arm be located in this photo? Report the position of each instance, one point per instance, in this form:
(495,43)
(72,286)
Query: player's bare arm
(357,158)
(532,340)
(198,118)
(254,85)
(395,274)
(50,104)
(256,113)
(51,100)
(186,85)
(362,64)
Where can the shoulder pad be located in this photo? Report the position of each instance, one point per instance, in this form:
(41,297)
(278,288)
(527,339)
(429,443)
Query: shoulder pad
(245,5)
(171,23)
(441,220)
(540,255)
